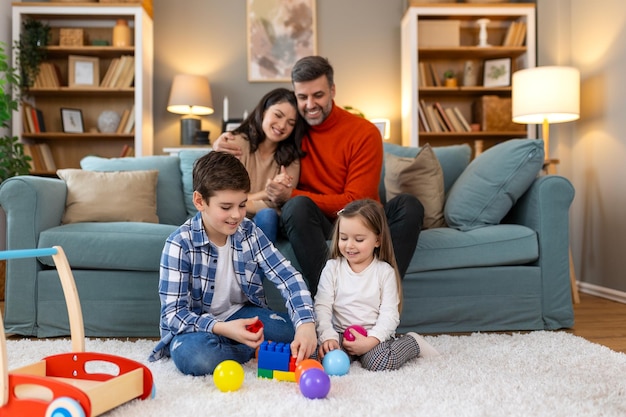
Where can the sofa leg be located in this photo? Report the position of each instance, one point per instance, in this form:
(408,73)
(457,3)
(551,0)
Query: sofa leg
(572,278)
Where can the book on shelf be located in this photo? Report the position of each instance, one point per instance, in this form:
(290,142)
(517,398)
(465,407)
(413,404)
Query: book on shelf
(456,123)
(462,119)
(128,73)
(27,117)
(429,113)
(48,76)
(130,123)
(123,121)
(41,157)
(434,76)
(515,34)
(106,80)
(127,151)
(442,113)
(422,117)
(422,77)
(47,157)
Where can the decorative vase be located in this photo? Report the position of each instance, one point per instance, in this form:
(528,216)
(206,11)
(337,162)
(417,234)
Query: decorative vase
(108,121)
(121,33)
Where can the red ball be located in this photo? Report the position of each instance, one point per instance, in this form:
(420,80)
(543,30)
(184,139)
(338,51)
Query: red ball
(348,336)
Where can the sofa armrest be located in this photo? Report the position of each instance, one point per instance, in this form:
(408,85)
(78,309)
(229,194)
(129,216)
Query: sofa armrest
(32,204)
(545,208)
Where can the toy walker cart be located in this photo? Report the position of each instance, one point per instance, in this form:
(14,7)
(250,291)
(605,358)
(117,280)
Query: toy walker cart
(62,385)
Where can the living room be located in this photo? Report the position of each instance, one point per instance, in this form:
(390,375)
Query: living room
(569,32)
(587,35)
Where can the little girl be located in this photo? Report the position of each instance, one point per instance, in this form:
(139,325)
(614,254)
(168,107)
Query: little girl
(360,285)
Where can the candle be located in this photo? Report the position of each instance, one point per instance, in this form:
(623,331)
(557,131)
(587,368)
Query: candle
(225,108)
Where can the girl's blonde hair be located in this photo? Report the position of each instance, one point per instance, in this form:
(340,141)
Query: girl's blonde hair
(373,216)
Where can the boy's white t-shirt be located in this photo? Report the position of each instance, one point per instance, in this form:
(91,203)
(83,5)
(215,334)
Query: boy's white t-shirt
(227,294)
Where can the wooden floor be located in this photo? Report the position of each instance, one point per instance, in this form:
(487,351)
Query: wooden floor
(601,321)
(597,319)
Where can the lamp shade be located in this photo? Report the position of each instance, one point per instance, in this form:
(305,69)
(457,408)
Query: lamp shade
(190,94)
(550,93)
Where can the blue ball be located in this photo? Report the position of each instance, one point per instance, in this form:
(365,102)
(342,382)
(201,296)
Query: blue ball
(336,362)
(314,383)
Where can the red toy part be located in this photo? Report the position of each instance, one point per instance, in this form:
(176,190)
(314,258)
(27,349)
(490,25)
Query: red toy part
(255,327)
(34,406)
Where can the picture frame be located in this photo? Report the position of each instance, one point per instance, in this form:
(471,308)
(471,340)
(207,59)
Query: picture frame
(497,72)
(279,33)
(231,124)
(83,71)
(72,120)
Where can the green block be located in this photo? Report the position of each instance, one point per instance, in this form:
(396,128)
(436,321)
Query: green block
(265,373)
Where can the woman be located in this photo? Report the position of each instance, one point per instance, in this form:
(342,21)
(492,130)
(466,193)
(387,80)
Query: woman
(270,139)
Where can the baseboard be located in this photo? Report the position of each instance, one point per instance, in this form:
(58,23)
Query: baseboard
(608,293)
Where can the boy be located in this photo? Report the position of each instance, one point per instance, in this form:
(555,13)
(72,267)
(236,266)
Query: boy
(210,285)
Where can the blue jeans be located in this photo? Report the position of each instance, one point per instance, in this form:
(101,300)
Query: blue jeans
(198,353)
(267,220)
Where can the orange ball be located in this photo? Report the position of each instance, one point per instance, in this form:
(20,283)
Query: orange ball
(307,364)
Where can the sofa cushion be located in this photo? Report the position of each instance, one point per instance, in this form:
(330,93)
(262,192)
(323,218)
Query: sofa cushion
(453,160)
(120,196)
(492,183)
(131,246)
(420,176)
(187,159)
(445,248)
(170,204)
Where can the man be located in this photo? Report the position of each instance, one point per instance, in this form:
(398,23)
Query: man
(343,163)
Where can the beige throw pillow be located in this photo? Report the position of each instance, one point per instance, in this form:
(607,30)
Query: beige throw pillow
(422,177)
(119,196)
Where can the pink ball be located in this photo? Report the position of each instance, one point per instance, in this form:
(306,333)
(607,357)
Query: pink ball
(348,336)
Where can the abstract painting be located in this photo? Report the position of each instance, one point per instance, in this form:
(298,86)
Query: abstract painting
(279,33)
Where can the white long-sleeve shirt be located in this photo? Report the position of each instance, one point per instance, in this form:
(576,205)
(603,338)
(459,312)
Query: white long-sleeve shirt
(368,298)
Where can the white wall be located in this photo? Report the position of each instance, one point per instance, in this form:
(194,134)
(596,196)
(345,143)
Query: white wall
(592,37)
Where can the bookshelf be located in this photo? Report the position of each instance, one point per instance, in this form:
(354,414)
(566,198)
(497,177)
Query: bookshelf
(61,85)
(441,37)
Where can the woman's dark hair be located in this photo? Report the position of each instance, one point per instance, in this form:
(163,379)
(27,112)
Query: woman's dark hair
(289,149)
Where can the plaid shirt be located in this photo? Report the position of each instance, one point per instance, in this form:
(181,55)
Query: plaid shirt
(187,279)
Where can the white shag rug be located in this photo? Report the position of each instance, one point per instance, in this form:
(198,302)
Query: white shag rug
(533,374)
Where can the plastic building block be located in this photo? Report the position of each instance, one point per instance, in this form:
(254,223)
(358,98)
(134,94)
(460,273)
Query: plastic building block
(285,376)
(254,327)
(274,356)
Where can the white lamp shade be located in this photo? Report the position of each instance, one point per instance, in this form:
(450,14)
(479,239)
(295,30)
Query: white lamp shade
(549,94)
(190,94)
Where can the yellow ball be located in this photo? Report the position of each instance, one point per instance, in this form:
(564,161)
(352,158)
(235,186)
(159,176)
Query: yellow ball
(228,376)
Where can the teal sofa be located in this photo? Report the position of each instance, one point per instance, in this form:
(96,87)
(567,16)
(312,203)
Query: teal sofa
(510,275)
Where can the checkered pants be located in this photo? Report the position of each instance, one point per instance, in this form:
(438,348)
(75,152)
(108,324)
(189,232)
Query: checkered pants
(390,354)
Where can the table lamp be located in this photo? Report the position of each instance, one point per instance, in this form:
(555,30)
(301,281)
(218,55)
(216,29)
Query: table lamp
(190,96)
(544,95)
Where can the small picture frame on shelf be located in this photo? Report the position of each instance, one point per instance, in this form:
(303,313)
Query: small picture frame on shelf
(84,71)
(497,72)
(72,120)
(231,124)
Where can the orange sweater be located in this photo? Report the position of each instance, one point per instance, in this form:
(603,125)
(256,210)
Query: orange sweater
(343,162)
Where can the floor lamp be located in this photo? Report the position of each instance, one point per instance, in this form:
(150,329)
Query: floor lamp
(190,96)
(544,95)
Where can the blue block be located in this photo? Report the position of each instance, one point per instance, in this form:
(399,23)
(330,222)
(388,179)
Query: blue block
(274,356)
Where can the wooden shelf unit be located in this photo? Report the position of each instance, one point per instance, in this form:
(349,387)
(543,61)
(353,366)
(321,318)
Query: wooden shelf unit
(453,57)
(97,21)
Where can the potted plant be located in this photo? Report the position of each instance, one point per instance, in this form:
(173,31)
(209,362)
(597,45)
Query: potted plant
(449,79)
(32,49)
(13,161)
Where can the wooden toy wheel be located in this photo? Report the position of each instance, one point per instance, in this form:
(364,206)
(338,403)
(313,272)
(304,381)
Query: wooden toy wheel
(64,407)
